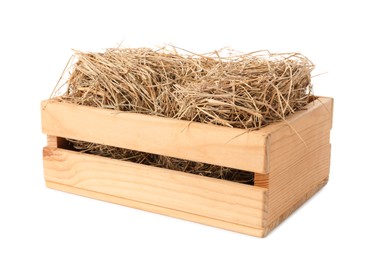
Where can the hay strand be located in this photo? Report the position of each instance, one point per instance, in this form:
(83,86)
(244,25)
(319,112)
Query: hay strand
(223,87)
(238,90)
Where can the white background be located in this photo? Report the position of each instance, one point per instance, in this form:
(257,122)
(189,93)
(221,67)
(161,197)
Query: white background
(36,38)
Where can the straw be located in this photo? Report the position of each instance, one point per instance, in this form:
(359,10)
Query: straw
(223,87)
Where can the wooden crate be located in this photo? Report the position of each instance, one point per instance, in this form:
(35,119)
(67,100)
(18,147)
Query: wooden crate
(290,161)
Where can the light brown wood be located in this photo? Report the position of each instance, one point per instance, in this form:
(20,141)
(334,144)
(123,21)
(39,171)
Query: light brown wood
(299,202)
(208,197)
(300,134)
(258,232)
(298,164)
(299,159)
(57,142)
(52,141)
(290,159)
(261,180)
(287,187)
(235,148)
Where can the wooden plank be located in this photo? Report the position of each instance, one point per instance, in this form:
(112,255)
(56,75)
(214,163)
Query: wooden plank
(300,134)
(300,201)
(258,232)
(261,180)
(208,197)
(288,187)
(235,148)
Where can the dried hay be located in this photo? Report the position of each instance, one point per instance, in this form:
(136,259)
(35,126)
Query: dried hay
(166,162)
(225,88)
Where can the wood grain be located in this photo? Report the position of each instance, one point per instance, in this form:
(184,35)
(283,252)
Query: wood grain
(300,134)
(261,180)
(208,197)
(258,232)
(290,159)
(305,196)
(298,164)
(235,148)
(288,186)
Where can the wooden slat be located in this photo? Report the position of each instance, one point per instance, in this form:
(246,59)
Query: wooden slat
(258,232)
(299,135)
(208,197)
(235,148)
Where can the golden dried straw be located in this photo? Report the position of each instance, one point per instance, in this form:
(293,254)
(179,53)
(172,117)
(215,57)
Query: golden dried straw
(224,87)
(166,162)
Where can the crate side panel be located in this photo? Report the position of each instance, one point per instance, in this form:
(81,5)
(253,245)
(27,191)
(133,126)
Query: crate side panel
(212,198)
(301,134)
(288,187)
(299,156)
(235,148)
